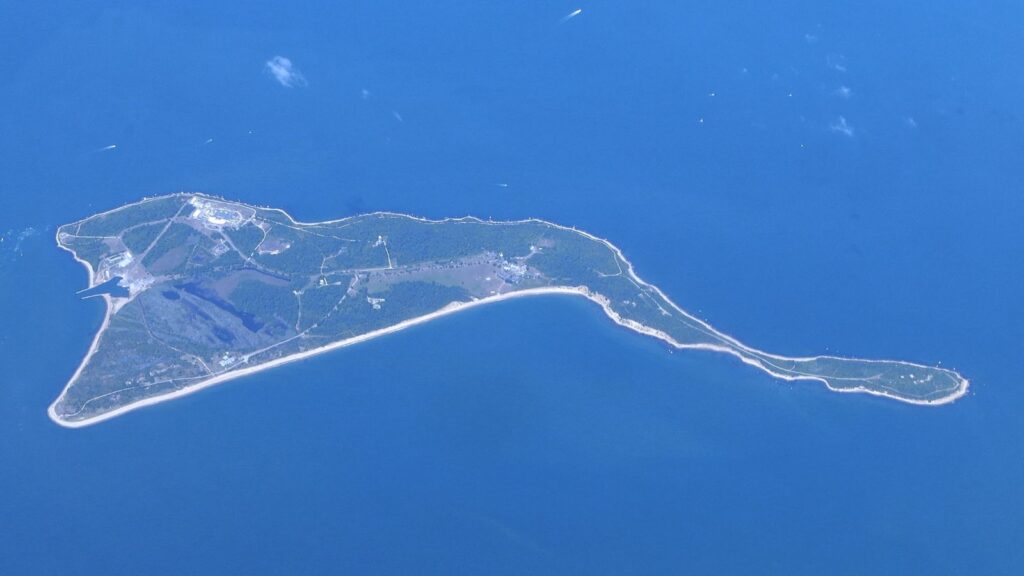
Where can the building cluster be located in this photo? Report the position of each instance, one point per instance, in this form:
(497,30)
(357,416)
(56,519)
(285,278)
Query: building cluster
(215,214)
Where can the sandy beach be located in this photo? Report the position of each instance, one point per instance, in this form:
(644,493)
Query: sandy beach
(452,309)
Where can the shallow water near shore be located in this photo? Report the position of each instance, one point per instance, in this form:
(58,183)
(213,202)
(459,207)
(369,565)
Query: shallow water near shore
(535,435)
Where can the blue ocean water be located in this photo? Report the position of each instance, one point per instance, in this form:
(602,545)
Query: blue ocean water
(809,178)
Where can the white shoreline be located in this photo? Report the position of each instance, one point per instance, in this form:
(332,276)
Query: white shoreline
(738,349)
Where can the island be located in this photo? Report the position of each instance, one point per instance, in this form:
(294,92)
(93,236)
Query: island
(200,290)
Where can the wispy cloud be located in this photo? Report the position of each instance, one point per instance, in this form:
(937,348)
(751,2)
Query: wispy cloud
(843,92)
(836,62)
(13,240)
(841,126)
(282,70)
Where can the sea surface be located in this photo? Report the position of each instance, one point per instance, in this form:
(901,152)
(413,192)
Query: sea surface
(810,178)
